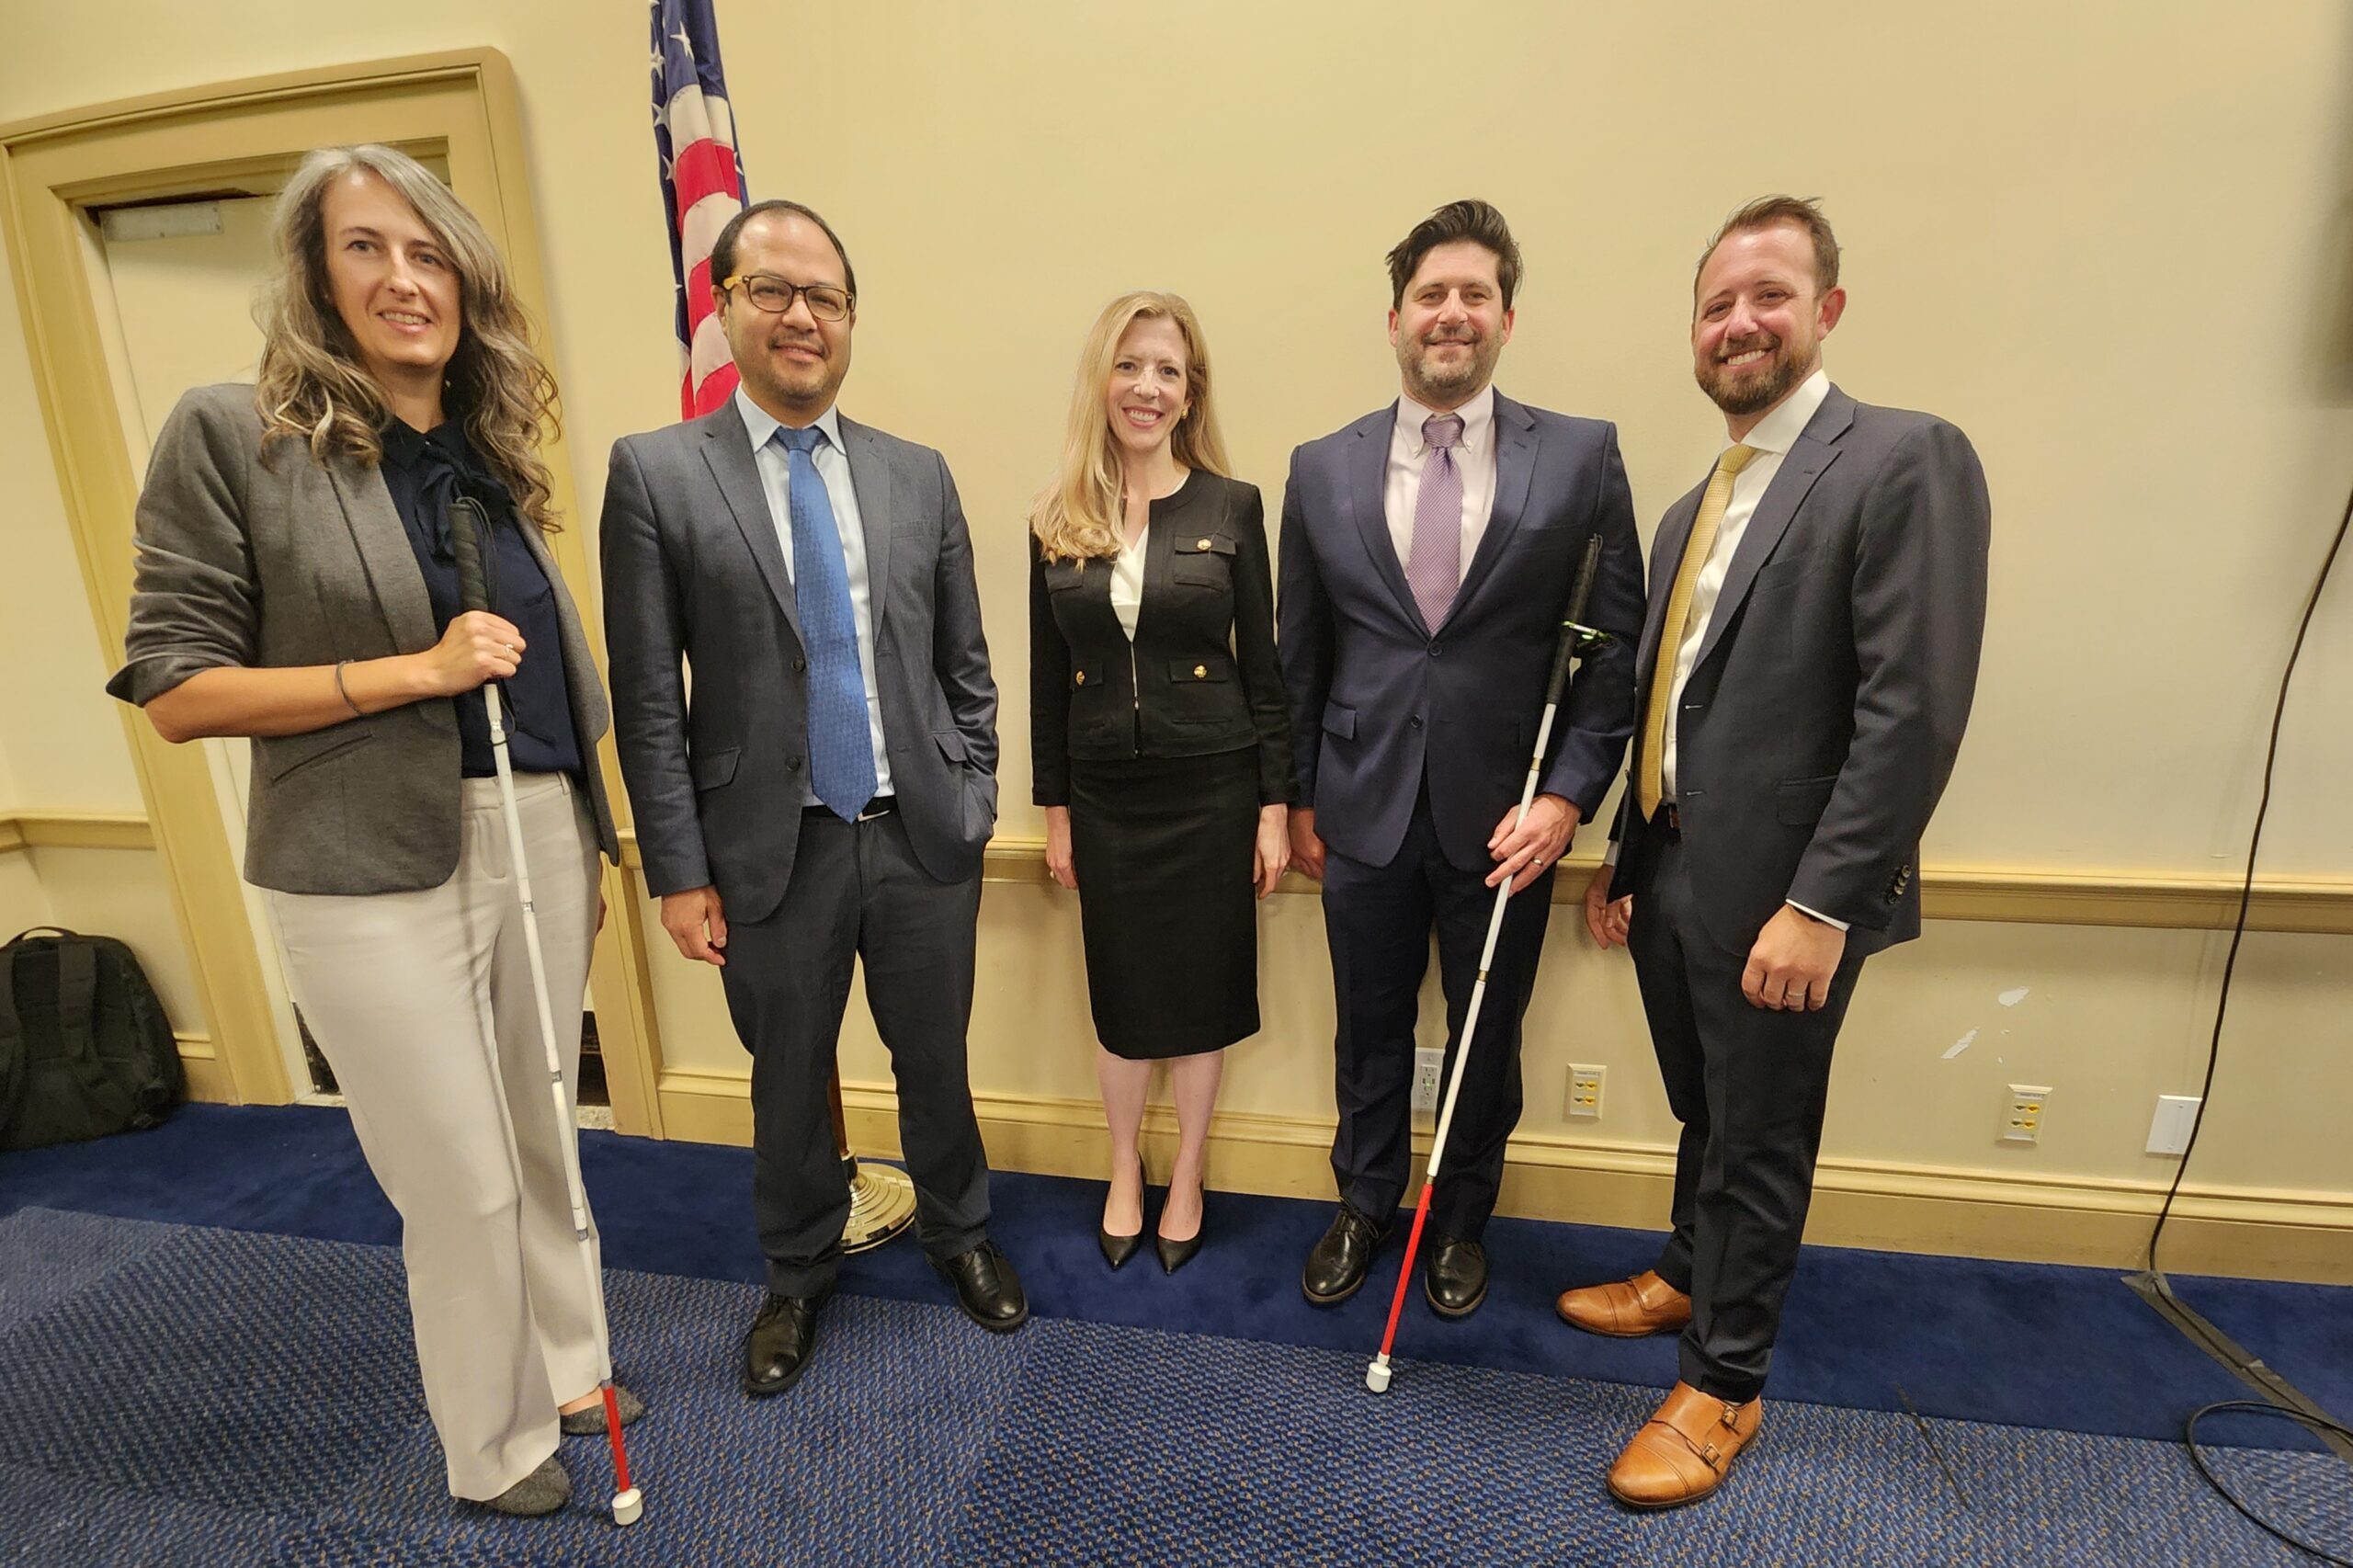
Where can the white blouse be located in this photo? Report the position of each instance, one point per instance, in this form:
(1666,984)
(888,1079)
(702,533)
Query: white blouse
(1127,580)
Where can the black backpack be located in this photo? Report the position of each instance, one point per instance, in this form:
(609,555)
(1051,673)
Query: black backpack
(85,1048)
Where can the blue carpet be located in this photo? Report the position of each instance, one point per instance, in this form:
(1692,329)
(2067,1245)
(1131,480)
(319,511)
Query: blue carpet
(1280,1456)
(164,1406)
(1863,1330)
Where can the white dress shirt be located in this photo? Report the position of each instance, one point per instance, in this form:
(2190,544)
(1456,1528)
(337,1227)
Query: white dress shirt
(1772,440)
(1475,454)
(833,466)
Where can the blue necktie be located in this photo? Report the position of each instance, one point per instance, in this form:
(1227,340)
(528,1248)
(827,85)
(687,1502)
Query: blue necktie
(841,743)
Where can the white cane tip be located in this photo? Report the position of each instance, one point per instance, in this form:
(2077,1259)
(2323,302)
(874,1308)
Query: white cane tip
(628,1505)
(1376,1377)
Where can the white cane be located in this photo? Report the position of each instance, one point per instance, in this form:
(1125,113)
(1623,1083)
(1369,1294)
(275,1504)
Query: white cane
(468,531)
(1576,639)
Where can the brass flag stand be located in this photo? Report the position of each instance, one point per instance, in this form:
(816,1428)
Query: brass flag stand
(882,1197)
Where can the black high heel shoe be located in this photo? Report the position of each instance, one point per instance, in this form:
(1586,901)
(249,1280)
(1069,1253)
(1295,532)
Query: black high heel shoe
(1175,1254)
(1116,1250)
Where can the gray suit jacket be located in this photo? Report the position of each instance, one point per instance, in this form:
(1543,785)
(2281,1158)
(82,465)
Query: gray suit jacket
(285,561)
(1821,720)
(693,572)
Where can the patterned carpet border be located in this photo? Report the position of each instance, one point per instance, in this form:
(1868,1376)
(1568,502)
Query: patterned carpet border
(182,1395)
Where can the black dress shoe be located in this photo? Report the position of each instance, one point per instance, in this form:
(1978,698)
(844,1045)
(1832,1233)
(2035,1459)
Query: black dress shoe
(987,1288)
(776,1350)
(1341,1260)
(1456,1282)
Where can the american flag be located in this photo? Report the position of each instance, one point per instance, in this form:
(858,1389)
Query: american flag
(702,187)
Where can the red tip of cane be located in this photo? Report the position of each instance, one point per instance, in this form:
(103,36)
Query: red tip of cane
(613,1432)
(1405,1272)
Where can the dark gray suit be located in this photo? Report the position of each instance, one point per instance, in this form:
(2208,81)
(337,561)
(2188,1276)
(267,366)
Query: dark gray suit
(1814,735)
(693,572)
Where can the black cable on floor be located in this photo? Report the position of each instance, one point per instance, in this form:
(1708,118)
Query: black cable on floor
(2262,1407)
(2155,1281)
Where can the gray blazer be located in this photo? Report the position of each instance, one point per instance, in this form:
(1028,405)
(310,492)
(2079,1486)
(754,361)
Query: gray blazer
(254,562)
(1823,717)
(693,572)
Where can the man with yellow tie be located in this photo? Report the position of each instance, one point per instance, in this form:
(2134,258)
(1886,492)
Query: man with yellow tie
(1806,669)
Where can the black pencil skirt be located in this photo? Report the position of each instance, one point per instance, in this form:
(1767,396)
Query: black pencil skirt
(1163,849)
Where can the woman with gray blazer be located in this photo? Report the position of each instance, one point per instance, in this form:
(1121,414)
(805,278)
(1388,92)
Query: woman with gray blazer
(296,584)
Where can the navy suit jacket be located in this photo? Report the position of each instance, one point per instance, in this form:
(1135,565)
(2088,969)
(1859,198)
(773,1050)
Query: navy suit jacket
(1823,717)
(1382,705)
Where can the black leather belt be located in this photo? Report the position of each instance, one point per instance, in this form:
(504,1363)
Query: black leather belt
(1668,820)
(880,806)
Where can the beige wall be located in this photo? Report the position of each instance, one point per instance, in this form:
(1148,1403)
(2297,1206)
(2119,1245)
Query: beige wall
(61,748)
(2102,238)
(63,744)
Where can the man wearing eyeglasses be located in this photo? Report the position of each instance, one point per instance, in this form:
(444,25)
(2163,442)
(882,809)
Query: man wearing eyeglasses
(824,794)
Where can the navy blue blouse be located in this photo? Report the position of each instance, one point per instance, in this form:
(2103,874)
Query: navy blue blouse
(426,473)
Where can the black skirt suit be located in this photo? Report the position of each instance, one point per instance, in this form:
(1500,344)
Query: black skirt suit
(1164,749)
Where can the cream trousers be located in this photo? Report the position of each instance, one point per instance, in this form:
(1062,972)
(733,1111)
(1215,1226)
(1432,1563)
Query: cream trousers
(422,1002)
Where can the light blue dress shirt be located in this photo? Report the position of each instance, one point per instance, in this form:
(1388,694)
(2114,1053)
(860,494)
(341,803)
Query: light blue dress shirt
(833,466)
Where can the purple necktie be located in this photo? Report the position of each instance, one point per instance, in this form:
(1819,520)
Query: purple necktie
(1434,565)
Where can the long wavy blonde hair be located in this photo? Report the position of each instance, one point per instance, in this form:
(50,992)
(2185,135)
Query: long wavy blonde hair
(1077,517)
(313,388)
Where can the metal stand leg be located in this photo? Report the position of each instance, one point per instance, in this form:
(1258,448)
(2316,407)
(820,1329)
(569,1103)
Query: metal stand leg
(882,1197)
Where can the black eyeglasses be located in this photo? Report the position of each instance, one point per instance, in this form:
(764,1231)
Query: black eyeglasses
(774,296)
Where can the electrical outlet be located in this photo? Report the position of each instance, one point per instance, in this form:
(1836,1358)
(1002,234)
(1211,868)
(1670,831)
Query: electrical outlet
(2169,1129)
(1584,1092)
(1429,1065)
(2022,1120)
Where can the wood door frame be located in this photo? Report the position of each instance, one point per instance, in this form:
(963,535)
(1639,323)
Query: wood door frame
(53,169)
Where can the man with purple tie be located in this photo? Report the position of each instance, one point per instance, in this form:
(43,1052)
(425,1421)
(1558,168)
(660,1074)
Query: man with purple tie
(1426,551)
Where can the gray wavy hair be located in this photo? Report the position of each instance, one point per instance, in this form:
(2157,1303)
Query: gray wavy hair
(312,387)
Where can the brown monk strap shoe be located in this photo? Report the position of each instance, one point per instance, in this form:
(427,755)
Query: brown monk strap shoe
(1685,1450)
(1627,1309)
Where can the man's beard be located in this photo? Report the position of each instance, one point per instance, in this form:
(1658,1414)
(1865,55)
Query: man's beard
(799,383)
(1432,385)
(1737,393)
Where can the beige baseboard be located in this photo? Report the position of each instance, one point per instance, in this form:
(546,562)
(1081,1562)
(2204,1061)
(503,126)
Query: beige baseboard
(1960,1214)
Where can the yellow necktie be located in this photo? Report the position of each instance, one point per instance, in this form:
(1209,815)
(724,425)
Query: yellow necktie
(1651,788)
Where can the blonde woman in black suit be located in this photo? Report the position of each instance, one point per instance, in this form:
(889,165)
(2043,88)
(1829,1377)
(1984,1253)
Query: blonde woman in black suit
(1159,745)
